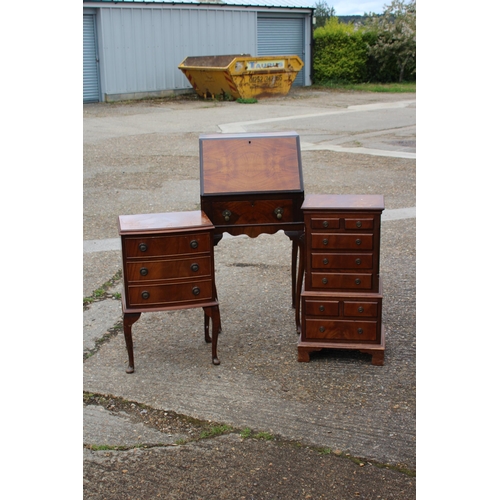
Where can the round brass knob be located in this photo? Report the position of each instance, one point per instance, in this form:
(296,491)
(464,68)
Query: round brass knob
(322,329)
(321,308)
(361,309)
(143,271)
(360,331)
(358,261)
(358,242)
(194,244)
(226,214)
(359,223)
(143,247)
(279,213)
(145,295)
(195,268)
(325,281)
(325,223)
(196,291)
(357,281)
(325,241)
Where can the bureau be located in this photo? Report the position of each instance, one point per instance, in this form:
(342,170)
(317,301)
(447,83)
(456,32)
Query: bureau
(168,263)
(251,184)
(341,300)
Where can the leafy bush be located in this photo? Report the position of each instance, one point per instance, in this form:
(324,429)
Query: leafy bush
(340,53)
(381,50)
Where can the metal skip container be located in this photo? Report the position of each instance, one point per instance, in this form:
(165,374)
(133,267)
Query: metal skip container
(241,76)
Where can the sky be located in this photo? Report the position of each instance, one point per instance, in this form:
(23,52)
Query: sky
(357,7)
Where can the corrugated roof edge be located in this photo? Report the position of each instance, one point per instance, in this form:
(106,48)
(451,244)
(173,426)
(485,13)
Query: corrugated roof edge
(290,4)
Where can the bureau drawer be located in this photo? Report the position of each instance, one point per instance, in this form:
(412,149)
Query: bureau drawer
(159,246)
(342,241)
(346,281)
(341,260)
(335,330)
(196,266)
(251,212)
(358,223)
(321,307)
(169,294)
(361,309)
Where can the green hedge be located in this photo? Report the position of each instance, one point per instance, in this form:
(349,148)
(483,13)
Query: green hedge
(342,55)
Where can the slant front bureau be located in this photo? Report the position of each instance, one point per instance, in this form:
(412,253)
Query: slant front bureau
(168,264)
(342,295)
(252,184)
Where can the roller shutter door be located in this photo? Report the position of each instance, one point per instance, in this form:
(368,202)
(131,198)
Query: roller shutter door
(90,68)
(281,36)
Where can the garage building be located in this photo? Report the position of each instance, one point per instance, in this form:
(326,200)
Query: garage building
(132,48)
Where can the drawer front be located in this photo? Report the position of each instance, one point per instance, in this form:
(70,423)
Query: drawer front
(169,294)
(196,266)
(335,330)
(358,223)
(361,309)
(324,223)
(346,281)
(321,307)
(157,246)
(341,241)
(225,213)
(341,261)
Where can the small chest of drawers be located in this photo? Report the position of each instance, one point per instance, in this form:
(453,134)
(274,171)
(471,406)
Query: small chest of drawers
(341,302)
(168,264)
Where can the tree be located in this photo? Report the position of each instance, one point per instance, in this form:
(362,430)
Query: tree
(396,37)
(322,12)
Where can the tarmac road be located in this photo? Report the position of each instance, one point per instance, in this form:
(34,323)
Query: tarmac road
(337,427)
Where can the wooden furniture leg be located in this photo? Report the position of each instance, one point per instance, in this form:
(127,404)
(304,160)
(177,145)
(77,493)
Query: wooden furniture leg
(212,312)
(128,320)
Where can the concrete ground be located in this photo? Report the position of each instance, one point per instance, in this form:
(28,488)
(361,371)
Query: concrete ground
(259,425)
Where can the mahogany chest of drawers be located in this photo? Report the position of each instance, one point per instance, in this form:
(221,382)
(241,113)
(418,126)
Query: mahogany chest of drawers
(341,302)
(168,263)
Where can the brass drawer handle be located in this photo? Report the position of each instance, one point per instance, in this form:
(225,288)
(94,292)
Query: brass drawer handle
(325,261)
(196,291)
(278,212)
(321,308)
(144,271)
(325,241)
(361,309)
(360,331)
(195,268)
(194,244)
(358,261)
(145,295)
(325,281)
(359,223)
(325,223)
(357,281)
(322,329)
(143,247)
(227,215)
(358,242)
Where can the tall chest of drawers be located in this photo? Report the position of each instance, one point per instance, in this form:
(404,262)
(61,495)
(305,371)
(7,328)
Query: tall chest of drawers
(341,301)
(168,263)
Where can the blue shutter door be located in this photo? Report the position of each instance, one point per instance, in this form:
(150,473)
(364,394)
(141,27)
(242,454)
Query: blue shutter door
(90,69)
(278,36)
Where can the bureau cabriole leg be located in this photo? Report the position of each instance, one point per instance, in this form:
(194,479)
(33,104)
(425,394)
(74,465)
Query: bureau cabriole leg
(213,312)
(128,320)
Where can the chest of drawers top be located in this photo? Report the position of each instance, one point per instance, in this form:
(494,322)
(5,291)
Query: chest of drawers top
(142,224)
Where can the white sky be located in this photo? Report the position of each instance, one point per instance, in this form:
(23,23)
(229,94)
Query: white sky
(357,7)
